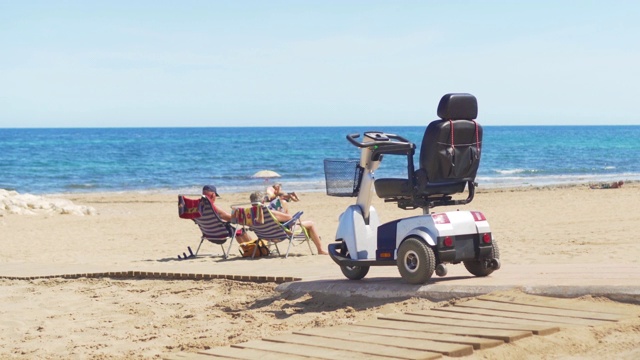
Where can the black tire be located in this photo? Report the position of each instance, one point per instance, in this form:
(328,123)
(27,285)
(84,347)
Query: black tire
(352,272)
(483,267)
(416,261)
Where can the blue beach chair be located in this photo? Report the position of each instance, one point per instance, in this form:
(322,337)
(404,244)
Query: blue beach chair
(274,232)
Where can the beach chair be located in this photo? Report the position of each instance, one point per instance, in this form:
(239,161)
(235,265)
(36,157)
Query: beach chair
(274,232)
(213,229)
(248,217)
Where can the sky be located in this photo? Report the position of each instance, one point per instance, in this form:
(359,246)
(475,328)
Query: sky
(316,63)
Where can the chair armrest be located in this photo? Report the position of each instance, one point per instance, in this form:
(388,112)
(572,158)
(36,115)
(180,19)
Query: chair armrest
(294,218)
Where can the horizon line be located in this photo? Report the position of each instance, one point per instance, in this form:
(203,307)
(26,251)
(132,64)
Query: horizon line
(290,126)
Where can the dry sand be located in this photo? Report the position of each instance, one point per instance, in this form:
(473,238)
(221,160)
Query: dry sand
(106,318)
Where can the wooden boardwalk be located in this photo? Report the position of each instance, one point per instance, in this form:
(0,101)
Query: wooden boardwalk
(455,331)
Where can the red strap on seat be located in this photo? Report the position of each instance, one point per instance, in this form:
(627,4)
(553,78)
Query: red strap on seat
(453,145)
(477,138)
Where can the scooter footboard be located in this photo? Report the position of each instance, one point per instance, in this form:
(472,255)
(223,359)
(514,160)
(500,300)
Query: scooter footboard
(335,253)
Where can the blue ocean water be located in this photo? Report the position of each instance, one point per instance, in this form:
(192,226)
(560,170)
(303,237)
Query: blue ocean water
(44,161)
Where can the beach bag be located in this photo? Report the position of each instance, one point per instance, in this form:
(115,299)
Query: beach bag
(247,249)
(188,208)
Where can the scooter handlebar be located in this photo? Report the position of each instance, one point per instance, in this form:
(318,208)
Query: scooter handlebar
(352,139)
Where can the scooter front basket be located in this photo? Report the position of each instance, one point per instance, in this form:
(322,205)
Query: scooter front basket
(342,176)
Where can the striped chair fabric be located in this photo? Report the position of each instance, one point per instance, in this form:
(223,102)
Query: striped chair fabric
(213,229)
(274,232)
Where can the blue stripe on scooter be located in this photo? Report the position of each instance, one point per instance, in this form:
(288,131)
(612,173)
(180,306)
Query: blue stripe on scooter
(387,236)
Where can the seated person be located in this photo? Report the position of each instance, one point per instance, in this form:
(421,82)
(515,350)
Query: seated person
(210,192)
(276,191)
(258,197)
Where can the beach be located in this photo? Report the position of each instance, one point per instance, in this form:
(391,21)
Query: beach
(108,318)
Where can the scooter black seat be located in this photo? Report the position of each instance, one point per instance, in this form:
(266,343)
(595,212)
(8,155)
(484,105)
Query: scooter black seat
(449,155)
(401,188)
(392,188)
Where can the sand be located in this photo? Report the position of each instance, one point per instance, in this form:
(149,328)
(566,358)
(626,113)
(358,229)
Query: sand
(107,318)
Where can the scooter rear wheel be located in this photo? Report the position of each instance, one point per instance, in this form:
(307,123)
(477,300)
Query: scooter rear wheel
(483,267)
(416,261)
(352,272)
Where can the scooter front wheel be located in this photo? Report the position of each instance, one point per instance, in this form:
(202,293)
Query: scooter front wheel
(352,272)
(416,261)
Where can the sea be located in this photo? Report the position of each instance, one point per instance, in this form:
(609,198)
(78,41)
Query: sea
(182,160)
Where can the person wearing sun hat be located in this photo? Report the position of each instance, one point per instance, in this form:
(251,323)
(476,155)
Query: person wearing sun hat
(211,193)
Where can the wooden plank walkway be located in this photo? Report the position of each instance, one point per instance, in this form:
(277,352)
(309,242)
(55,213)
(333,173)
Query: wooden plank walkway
(454,331)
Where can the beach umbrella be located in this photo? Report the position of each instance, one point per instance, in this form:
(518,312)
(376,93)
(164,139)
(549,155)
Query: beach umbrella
(266,174)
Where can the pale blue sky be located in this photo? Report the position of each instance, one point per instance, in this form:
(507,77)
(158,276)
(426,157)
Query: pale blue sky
(315,63)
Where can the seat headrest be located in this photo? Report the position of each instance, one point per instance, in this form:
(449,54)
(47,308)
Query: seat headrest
(458,106)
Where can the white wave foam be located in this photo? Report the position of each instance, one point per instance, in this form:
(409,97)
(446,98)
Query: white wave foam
(11,202)
(511,171)
(519,181)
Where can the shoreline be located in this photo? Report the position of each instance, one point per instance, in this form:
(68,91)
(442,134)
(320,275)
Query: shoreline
(320,190)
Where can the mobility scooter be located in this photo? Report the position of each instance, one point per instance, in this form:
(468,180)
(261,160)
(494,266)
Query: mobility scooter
(418,245)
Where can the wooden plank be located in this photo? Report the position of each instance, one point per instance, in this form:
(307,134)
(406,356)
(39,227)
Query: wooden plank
(186,356)
(354,345)
(606,307)
(486,318)
(504,335)
(477,342)
(537,310)
(464,323)
(535,329)
(305,350)
(486,323)
(431,347)
(228,352)
(549,319)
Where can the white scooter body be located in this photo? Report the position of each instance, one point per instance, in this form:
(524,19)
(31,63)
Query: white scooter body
(361,238)
(362,242)
(418,244)
(359,230)
(430,227)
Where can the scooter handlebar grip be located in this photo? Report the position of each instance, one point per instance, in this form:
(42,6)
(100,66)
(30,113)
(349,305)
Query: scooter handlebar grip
(352,139)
